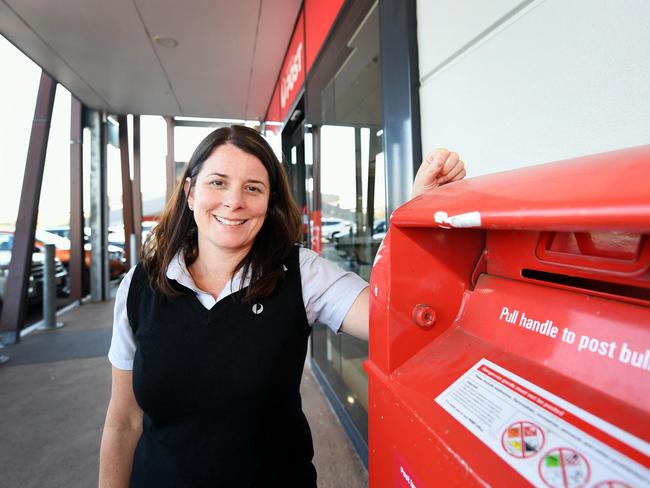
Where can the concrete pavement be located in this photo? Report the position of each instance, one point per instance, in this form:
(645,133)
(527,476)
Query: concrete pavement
(53,397)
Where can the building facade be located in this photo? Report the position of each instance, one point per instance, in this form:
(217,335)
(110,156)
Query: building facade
(367,87)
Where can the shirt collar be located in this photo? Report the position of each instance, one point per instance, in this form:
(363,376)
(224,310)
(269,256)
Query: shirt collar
(177,271)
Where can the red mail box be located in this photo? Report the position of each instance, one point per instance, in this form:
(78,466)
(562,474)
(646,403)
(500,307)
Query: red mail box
(510,331)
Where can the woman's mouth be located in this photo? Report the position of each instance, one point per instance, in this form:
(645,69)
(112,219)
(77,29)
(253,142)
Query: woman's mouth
(231,222)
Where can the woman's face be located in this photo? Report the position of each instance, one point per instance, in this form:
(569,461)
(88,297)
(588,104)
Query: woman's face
(230,199)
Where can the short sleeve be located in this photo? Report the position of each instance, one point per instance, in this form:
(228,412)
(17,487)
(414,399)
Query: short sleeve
(328,291)
(122,347)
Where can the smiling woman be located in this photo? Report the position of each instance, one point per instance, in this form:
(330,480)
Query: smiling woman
(210,330)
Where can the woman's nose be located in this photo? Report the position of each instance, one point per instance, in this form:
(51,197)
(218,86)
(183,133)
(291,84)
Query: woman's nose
(233,199)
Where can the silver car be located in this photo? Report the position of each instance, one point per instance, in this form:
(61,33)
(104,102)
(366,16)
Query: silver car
(36,274)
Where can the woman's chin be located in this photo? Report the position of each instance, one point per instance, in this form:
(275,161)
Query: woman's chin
(229,245)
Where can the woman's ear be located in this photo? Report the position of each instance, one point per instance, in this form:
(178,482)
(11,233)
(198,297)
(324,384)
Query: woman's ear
(189,192)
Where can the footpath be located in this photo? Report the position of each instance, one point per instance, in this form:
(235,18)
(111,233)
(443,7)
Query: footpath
(54,391)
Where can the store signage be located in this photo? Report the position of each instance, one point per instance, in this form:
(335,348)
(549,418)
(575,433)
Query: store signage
(312,27)
(291,75)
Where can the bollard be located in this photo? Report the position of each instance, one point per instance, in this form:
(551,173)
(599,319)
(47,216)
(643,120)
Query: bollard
(3,358)
(133,246)
(49,290)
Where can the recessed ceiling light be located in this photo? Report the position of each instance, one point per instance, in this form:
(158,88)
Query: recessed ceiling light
(165,41)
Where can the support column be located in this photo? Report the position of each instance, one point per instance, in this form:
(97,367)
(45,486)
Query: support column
(358,172)
(127,188)
(400,87)
(13,309)
(77,253)
(98,208)
(171,160)
(372,163)
(137,182)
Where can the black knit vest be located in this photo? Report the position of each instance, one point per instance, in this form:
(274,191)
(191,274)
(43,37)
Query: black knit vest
(220,388)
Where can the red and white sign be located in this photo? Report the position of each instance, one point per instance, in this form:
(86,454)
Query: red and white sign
(292,74)
(564,468)
(311,30)
(290,77)
(522,439)
(611,484)
(547,440)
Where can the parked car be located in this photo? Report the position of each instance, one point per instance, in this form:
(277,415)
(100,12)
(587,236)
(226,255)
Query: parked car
(147,228)
(331,227)
(64,231)
(116,258)
(113,236)
(361,247)
(36,274)
(115,233)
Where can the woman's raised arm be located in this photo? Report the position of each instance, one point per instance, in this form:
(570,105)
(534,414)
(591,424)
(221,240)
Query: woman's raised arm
(438,168)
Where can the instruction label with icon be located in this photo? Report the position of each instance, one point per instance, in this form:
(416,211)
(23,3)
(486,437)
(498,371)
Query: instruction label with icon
(547,440)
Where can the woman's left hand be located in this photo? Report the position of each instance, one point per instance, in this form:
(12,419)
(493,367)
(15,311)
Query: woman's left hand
(438,168)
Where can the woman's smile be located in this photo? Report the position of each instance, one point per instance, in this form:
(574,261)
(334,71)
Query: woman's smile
(230,222)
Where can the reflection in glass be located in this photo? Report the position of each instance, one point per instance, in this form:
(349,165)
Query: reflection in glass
(346,106)
(353,193)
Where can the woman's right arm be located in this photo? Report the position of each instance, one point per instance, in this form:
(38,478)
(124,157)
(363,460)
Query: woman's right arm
(122,430)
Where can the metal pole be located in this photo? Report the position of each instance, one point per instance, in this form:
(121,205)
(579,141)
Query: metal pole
(49,290)
(133,243)
(77,271)
(98,209)
(3,358)
(137,182)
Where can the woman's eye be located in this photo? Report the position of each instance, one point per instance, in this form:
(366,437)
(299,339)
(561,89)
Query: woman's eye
(216,183)
(254,189)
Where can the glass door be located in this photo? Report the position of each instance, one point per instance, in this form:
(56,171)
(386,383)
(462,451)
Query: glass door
(344,113)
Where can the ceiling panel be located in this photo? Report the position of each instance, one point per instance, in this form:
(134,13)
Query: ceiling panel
(105,44)
(273,23)
(19,33)
(225,65)
(213,50)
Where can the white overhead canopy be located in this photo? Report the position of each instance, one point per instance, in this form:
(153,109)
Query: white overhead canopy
(225,65)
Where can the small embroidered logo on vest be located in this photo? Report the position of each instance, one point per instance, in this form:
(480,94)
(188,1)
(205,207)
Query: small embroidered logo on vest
(258,308)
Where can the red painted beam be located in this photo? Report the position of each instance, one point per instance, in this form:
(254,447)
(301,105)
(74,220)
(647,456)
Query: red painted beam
(127,189)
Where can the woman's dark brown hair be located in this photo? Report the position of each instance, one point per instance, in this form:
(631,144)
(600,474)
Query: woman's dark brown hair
(177,231)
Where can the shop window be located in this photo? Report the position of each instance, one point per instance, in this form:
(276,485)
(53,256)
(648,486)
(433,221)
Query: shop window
(349,185)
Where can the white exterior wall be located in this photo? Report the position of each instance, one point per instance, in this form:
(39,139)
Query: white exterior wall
(511,83)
